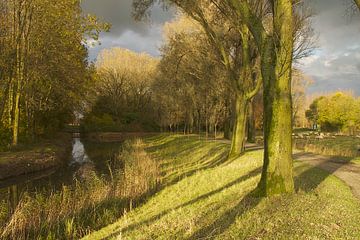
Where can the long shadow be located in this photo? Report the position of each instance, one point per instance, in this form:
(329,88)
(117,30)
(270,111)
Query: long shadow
(328,165)
(189,150)
(204,196)
(203,163)
(221,224)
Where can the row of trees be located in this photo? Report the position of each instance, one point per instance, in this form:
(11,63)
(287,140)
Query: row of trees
(255,42)
(219,58)
(43,64)
(336,112)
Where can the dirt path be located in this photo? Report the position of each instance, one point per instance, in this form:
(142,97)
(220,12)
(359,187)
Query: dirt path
(348,172)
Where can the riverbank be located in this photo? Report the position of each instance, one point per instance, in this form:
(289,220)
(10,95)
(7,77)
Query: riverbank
(206,197)
(35,158)
(115,136)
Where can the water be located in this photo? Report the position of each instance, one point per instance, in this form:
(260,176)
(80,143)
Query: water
(89,155)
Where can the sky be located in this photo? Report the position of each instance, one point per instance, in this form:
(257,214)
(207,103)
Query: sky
(335,64)
(125,31)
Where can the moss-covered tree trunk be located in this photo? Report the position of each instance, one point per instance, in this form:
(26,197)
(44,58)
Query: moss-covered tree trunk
(277,175)
(251,131)
(227,128)
(239,131)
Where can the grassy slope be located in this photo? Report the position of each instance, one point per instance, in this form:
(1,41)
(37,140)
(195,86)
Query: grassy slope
(214,200)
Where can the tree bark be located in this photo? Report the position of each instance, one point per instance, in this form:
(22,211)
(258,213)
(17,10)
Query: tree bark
(239,131)
(277,174)
(251,131)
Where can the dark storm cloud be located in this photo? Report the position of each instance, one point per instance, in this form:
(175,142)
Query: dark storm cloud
(125,31)
(335,64)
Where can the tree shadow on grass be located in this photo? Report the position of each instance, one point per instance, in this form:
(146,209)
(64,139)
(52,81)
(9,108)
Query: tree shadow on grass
(190,168)
(221,224)
(311,178)
(246,203)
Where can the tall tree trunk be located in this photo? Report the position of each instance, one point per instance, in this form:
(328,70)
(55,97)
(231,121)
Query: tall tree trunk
(251,131)
(227,128)
(215,131)
(16,115)
(19,76)
(239,133)
(277,175)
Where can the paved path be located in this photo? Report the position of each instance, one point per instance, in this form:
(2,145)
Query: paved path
(348,172)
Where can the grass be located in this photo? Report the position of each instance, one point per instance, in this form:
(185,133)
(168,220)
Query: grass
(356,161)
(205,197)
(340,146)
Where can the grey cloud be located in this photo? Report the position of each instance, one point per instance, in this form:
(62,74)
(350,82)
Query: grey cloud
(119,14)
(125,31)
(336,64)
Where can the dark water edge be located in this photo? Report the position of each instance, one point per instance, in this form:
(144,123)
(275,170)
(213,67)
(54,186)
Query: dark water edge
(96,156)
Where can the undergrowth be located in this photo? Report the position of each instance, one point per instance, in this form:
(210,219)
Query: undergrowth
(91,203)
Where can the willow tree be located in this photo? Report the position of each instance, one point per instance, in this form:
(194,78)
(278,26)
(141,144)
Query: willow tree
(275,44)
(234,47)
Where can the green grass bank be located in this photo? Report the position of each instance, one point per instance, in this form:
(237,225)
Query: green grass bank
(205,197)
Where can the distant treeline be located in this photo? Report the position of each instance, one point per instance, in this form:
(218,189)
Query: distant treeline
(335,112)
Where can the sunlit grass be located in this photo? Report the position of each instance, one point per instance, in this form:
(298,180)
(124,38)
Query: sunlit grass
(356,160)
(216,201)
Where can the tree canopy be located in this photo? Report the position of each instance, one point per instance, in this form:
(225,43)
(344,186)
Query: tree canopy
(44,69)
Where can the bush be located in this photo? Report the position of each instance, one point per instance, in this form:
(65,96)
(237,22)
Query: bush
(104,123)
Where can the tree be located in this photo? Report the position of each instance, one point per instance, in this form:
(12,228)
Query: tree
(336,112)
(300,82)
(312,114)
(191,88)
(273,25)
(44,69)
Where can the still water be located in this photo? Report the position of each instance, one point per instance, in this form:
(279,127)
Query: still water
(84,154)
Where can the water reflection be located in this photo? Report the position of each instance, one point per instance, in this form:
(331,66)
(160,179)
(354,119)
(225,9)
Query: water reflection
(79,155)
